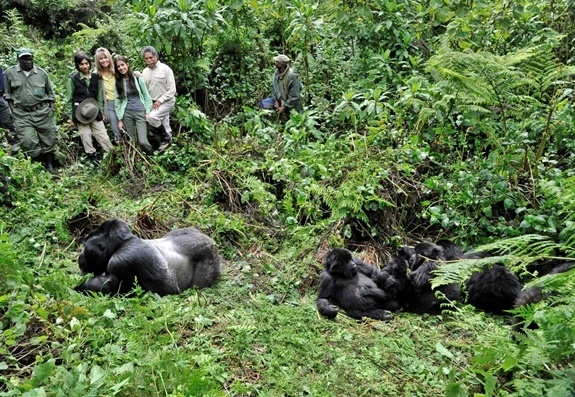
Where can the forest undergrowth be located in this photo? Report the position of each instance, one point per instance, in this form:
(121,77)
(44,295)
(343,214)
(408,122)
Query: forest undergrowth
(447,120)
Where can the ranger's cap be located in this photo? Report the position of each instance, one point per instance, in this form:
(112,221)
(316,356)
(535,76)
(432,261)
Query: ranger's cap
(20,52)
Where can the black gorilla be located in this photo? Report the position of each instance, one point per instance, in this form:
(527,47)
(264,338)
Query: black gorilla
(181,259)
(492,289)
(535,294)
(346,282)
(423,298)
(393,279)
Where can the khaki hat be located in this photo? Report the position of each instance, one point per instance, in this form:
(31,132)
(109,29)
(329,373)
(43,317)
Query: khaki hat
(282,59)
(87,111)
(20,52)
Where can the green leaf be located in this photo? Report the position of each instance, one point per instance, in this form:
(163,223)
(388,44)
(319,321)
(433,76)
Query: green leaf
(43,371)
(509,363)
(443,350)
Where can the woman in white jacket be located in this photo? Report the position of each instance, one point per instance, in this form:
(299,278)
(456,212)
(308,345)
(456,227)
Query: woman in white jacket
(133,103)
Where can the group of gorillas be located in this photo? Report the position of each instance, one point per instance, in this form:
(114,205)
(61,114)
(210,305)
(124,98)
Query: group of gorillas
(185,258)
(404,284)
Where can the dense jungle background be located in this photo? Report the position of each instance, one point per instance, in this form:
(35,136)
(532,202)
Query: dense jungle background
(424,120)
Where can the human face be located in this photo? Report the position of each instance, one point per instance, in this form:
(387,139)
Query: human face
(280,66)
(104,61)
(150,59)
(84,67)
(122,67)
(26,62)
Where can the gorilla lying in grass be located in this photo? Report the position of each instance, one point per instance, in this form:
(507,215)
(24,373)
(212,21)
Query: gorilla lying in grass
(346,283)
(493,289)
(183,258)
(362,290)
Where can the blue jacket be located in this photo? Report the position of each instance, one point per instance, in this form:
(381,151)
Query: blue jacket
(2,82)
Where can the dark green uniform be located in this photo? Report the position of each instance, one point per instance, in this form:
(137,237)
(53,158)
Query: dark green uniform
(32,98)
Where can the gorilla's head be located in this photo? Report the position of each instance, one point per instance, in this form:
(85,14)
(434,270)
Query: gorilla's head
(397,267)
(426,251)
(100,245)
(339,263)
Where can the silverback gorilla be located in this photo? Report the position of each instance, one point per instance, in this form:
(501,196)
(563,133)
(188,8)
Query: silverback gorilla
(116,257)
(346,282)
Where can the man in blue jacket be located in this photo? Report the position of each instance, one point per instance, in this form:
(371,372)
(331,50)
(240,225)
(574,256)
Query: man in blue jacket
(6,118)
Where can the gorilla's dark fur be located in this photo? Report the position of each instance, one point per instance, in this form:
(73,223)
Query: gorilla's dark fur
(535,294)
(422,263)
(394,281)
(183,258)
(494,288)
(346,283)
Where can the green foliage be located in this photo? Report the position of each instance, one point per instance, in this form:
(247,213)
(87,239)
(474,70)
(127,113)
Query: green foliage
(178,28)
(445,119)
(56,18)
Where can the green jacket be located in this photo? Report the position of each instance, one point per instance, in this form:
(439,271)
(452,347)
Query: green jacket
(286,89)
(28,91)
(121,103)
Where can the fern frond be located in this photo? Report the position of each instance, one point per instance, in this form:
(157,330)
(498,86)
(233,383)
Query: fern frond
(529,245)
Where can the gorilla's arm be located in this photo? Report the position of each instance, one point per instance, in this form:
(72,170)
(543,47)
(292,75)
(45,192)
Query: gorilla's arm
(374,293)
(324,305)
(377,314)
(103,283)
(364,267)
(422,275)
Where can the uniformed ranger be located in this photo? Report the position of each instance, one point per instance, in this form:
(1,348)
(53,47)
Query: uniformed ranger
(31,98)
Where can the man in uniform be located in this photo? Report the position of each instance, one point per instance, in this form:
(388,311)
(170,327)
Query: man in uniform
(161,84)
(6,118)
(31,98)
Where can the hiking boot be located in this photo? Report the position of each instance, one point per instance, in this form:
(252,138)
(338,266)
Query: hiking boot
(49,162)
(93,158)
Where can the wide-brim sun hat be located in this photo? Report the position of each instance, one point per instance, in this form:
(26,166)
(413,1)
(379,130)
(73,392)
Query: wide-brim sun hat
(87,111)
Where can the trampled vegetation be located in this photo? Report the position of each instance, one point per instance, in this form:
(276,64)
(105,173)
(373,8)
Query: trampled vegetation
(423,120)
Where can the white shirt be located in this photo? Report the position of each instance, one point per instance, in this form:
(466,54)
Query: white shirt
(160,82)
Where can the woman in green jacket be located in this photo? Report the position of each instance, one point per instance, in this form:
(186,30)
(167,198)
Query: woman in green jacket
(133,103)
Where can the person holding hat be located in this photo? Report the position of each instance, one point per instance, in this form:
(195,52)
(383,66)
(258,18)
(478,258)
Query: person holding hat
(83,105)
(286,88)
(31,99)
